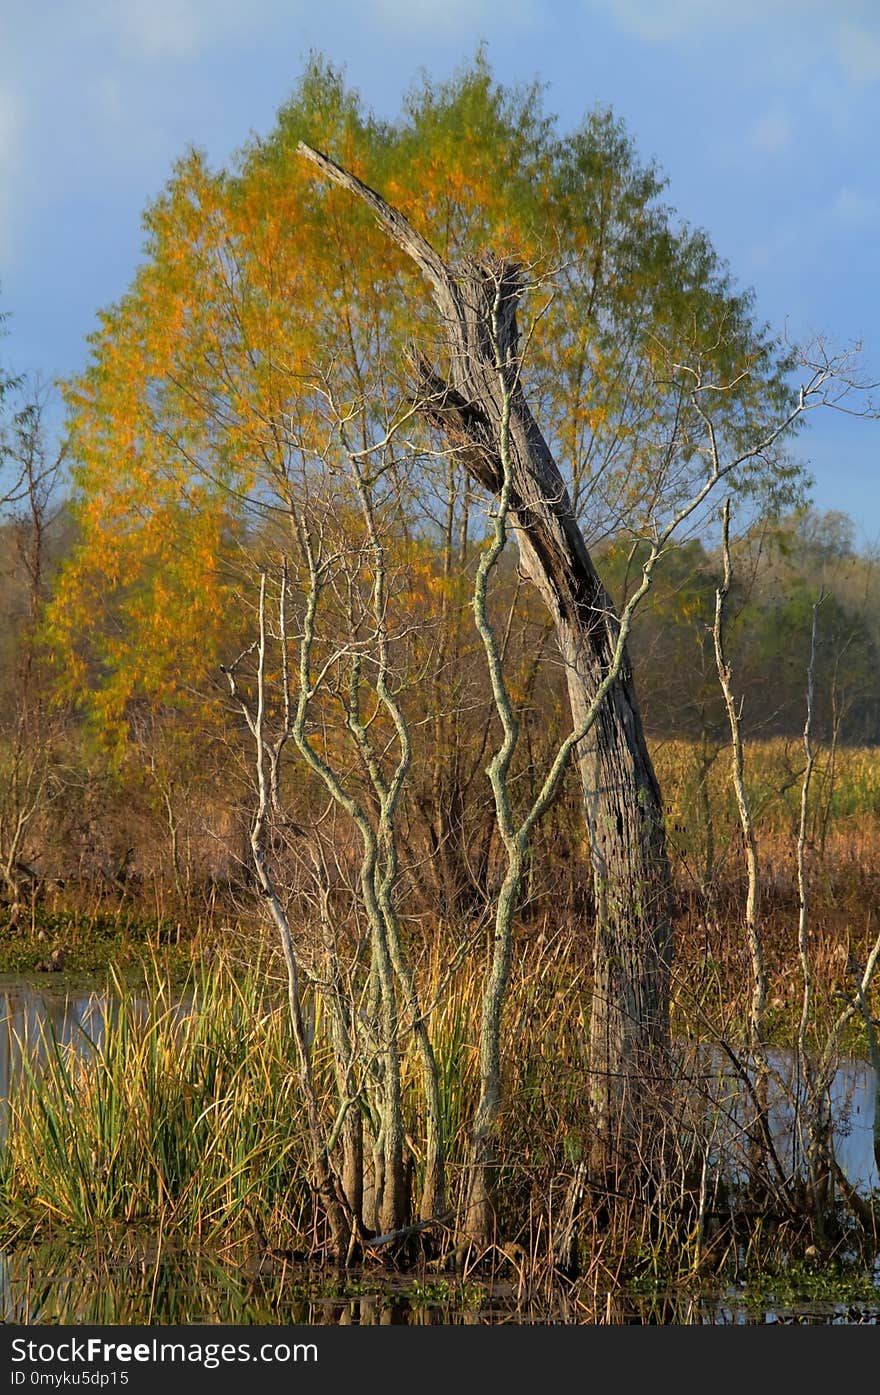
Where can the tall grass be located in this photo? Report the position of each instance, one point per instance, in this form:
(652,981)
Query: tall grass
(173,1111)
(846,793)
(180,1111)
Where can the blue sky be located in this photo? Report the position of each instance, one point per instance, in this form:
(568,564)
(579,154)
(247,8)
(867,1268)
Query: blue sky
(764,115)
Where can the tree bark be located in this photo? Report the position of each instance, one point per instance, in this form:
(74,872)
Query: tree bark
(629,1033)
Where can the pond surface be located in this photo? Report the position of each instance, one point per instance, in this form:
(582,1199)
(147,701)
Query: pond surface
(852,1104)
(136,1282)
(50,1284)
(28,1015)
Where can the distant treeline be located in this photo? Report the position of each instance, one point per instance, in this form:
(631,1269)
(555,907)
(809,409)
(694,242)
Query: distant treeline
(160,788)
(781,571)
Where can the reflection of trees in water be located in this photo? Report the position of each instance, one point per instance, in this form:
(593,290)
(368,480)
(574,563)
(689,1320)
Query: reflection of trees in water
(137,1283)
(723,1109)
(29,1018)
(132,1280)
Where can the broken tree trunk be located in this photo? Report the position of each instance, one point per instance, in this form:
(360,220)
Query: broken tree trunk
(629,1027)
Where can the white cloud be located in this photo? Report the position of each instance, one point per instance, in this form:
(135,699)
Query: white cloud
(772,133)
(646,19)
(11,136)
(856,209)
(451,18)
(859,52)
(183,29)
(850,29)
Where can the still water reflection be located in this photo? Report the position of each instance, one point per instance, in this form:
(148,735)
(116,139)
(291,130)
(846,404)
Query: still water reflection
(133,1281)
(49,1284)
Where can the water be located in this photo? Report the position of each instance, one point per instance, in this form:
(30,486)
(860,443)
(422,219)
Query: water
(28,1016)
(717,1090)
(135,1280)
(135,1283)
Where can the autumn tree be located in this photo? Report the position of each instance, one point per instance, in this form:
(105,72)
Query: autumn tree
(194,419)
(254,276)
(478,403)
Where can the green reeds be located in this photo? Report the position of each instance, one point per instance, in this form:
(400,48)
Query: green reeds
(178,1117)
(846,796)
(178,1113)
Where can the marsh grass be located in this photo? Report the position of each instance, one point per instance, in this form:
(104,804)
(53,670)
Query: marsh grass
(178,1112)
(178,1117)
(844,809)
(170,1111)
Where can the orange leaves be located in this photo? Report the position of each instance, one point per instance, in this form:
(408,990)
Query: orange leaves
(264,292)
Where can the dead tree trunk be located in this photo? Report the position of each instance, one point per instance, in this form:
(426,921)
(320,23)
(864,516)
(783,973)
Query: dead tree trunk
(630,1017)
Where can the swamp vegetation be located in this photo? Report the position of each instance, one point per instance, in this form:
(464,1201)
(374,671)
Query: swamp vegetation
(447,743)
